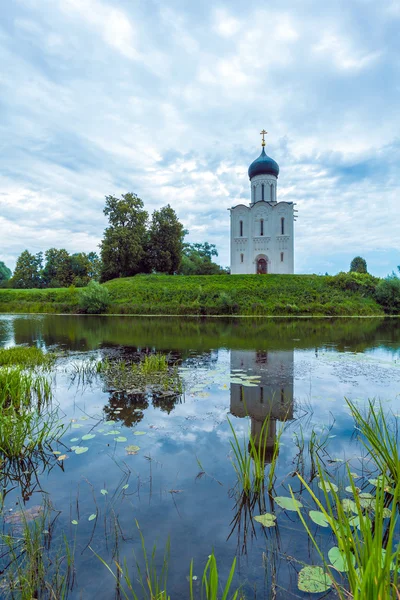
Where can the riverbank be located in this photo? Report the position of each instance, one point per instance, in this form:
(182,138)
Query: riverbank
(274,295)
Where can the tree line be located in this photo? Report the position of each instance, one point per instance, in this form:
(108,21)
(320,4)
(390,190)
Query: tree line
(132,244)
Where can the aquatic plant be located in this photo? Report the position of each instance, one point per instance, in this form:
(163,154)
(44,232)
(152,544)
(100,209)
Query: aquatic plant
(22,388)
(31,567)
(152,584)
(25,356)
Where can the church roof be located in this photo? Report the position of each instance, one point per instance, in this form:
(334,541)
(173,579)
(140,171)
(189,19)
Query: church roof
(263,165)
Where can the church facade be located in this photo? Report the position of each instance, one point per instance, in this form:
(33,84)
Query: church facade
(262,233)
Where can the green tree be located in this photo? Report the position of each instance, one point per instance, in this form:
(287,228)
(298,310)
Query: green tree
(85,268)
(165,242)
(57,271)
(197,260)
(122,248)
(95,299)
(387,293)
(5,272)
(358,265)
(28,270)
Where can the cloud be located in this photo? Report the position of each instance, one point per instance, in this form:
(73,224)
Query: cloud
(101,97)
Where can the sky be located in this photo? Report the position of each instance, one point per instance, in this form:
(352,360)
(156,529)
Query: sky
(166,99)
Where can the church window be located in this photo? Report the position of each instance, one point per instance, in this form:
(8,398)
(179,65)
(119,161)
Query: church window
(262,191)
(282,226)
(241,258)
(261,226)
(241,228)
(272,193)
(281,256)
(254,193)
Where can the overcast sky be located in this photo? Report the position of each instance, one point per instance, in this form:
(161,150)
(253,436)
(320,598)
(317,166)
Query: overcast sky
(166,98)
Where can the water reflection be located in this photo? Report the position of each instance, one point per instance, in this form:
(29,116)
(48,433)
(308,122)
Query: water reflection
(268,397)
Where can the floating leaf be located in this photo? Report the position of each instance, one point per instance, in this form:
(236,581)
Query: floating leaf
(313,580)
(74,447)
(319,518)
(349,505)
(81,449)
(367,500)
(89,436)
(92,517)
(132,449)
(349,489)
(112,432)
(84,418)
(104,492)
(268,520)
(74,440)
(120,438)
(74,522)
(338,559)
(125,487)
(76,425)
(109,422)
(63,457)
(288,503)
(386,513)
(56,452)
(328,486)
(139,433)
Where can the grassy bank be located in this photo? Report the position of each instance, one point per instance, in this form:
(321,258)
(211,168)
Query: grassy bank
(213,295)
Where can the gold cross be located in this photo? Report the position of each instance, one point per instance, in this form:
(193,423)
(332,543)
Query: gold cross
(263,133)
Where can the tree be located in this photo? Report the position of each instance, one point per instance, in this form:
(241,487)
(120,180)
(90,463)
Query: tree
(165,242)
(28,270)
(85,268)
(358,265)
(57,271)
(387,293)
(5,272)
(197,260)
(122,248)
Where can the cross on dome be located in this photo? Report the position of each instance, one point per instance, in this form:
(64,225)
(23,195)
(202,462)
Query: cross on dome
(263,133)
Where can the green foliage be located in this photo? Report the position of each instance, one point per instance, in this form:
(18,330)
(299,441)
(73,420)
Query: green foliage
(355,282)
(201,295)
(358,265)
(28,270)
(57,270)
(387,293)
(122,248)
(5,272)
(197,260)
(25,356)
(165,242)
(94,299)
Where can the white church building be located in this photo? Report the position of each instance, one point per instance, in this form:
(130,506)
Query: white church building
(262,233)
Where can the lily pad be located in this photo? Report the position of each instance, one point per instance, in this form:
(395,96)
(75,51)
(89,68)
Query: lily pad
(104,492)
(76,425)
(74,440)
(268,520)
(120,438)
(349,505)
(74,522)
(288,503)
(139,433)
(112,432)
(132,449)
(349,489)
(111,422)
(92,517)
(81,449)
(89,436)
(63,457)
(125,487)
(328,486)
(313,580)
(319,518)
(338,559)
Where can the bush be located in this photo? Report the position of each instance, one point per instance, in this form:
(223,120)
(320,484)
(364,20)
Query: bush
(355,282)
(387,293)
(94,299)
(358,265)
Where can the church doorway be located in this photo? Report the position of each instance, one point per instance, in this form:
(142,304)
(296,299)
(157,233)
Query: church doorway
(262,266)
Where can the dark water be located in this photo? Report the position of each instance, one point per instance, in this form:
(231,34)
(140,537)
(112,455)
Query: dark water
(182,481)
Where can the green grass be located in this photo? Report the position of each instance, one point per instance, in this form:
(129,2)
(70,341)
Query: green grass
(274,295)
(25,356)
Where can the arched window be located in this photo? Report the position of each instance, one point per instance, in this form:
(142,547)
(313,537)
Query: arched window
(272,192)
(262,191)
(254,193)
(282,226)
(281,256)
(241,258)
(261,226)
(241,228)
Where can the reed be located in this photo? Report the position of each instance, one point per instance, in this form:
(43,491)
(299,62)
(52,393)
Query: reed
(26,357)
(22,388)
(151,583)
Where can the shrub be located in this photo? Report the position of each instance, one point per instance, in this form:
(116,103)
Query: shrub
(387,293)
(358,265)
(355,282)
(94,299)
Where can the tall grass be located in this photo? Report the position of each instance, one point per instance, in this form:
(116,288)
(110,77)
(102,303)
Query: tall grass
(32,568)
(151,583)
(22,388)
(26,357)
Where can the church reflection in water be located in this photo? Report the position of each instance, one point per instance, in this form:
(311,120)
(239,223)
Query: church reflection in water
(270,396)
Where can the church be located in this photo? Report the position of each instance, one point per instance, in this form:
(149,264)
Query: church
(262,233)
